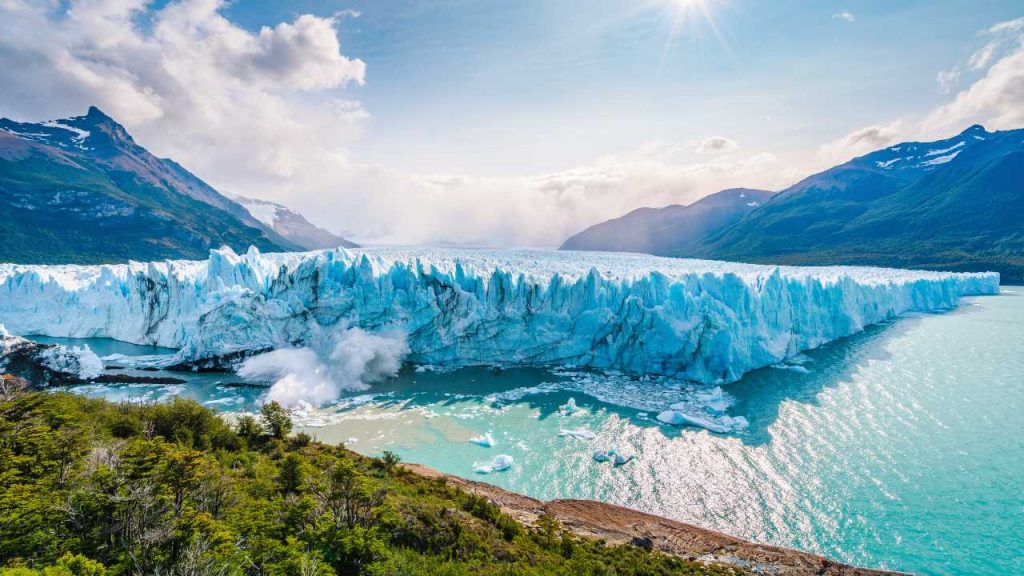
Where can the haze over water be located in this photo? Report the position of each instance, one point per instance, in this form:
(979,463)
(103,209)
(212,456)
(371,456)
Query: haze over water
(900,448)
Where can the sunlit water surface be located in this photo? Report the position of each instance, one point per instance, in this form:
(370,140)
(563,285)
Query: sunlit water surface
(902,447)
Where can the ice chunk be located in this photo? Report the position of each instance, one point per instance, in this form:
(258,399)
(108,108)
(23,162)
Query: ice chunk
(713,400)
(792,368)
(78,360)
(500,463)
(676,418)
(672,417)
(485,440)
(570,407)
(579,434)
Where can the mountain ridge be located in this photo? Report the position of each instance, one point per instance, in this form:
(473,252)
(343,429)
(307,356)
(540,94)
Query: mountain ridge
(951,204)
(660,230)
(292,225)
(81,190)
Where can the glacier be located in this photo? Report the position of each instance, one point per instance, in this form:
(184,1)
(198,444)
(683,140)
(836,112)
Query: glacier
(704,321)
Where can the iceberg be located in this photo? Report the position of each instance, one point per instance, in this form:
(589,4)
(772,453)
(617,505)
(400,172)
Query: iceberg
(485,440)
(676,418)
(703,321)
(500,463)
(570,407)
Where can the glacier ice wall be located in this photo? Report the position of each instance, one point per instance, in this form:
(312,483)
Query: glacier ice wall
(700,320)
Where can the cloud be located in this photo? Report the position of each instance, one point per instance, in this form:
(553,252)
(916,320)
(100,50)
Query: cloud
(983,57)
(244,110)
(716,145)
(545,209)
(947,79)
(996,99)
(845,16)
(861,141)
(1008,26)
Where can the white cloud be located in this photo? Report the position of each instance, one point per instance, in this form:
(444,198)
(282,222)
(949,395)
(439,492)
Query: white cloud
(845,16)
(947,79)
(268,115)
(272,114)
(545,209)
(242,109)
(716,145)
(983,57)
(1009,26)
(996,99)
(861,141)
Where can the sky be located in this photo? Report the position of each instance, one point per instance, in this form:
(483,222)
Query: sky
(487,122)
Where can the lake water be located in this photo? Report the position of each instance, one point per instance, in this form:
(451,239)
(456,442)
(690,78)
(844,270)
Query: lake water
(902,447)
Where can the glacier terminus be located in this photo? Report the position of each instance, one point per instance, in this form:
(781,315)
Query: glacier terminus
(703,321)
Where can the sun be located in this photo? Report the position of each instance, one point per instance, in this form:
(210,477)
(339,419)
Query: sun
(691,12)
(694,17)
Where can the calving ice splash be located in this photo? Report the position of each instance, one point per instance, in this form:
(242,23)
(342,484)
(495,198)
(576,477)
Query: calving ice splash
(318,323)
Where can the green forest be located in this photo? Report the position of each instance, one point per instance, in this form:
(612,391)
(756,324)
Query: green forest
(93,488)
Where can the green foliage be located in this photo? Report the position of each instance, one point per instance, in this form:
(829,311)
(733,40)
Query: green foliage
(278,420)
(91,488)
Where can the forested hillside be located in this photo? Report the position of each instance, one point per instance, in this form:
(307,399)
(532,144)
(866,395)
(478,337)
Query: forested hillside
(91,488)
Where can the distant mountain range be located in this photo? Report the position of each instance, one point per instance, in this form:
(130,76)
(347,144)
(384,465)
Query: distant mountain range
(291,225)
(954,204)
(670,229)
(80,190)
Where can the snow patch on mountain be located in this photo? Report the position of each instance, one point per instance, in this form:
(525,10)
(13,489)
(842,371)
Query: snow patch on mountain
(941,159)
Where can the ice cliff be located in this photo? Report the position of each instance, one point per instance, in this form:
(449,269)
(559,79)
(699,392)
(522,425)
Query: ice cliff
(700,320)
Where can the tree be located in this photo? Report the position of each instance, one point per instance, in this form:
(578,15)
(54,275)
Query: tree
(293,474)
(277,419)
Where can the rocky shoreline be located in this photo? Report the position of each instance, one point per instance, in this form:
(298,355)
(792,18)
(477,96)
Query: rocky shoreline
(619,525)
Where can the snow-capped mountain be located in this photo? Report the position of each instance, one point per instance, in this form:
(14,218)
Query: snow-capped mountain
(665,230)
(953,204)
(81,190)
(291,225)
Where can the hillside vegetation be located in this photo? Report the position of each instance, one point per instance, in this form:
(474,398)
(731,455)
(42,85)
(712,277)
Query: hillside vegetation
(91,488)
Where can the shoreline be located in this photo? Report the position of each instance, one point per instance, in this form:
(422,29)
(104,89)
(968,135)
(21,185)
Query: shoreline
(620,525)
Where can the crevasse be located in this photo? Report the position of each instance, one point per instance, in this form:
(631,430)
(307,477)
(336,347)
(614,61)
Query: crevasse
(699,320)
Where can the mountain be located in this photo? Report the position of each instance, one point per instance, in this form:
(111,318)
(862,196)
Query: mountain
(665,230)
(81,190)
(954,204)
(291,225)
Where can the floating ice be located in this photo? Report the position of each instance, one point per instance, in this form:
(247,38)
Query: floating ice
(702,321)
(676,418)
(485,440)
(501,462)
(570,407)
(792,368)
(78,360)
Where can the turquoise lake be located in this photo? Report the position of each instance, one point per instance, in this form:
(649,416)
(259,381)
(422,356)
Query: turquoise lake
(901,447)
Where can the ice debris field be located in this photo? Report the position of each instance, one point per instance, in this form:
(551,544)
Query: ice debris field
(339,318)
